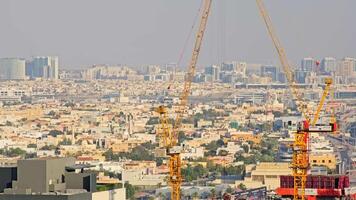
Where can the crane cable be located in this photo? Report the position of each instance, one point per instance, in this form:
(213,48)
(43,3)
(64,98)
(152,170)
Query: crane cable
(181,55)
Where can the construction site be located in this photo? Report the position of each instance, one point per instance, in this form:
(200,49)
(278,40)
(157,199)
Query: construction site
(301,185)
(202,127)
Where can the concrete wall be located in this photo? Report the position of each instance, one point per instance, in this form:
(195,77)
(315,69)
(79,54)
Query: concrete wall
(38,174)
(81,181)
(32,174)
(55,170)
(117,194)
(82,196)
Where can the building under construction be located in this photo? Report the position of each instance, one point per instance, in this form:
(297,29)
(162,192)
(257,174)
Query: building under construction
(318,187)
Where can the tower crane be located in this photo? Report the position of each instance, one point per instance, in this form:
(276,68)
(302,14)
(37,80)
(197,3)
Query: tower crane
(170,136)
(300,161)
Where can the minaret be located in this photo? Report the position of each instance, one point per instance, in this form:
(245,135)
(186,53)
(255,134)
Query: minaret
(73,135)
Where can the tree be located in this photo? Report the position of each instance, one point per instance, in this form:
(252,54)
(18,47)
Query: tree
(149,145)
(65,141)
(229,190)
(55,133)
(153,121)
(213,193)
(8,123)
(242,186)
(193,173)
(52,113)
(137,153)
(130,190)
(195,195)
(223,153)
(181,137)
(48,147)
(245,148)
(13,152)
(32,146)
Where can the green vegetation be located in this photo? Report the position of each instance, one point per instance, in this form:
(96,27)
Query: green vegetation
(141,152)
(266,152)
(55,133)
(223,153)
(193,173)
(181,137)
(65,141)
(108,187)
(32,146)
(225,171)
(153,121)
(242,186)
(48,147)
(212,147)
(13,152)
(130,191)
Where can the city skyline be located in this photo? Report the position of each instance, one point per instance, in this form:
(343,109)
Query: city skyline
(156,32)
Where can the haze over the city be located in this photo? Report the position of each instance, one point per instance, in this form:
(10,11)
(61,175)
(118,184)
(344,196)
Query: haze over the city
(134,32)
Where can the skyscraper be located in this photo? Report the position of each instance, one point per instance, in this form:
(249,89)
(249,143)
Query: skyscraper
(328,64)
(43,67)
(12,69)
(269,71)
(347,67)
(307,64)
(213,71)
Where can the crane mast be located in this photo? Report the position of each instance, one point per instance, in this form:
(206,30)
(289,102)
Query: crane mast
(300,160)
(170,137)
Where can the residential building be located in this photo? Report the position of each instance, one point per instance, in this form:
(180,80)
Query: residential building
(347,67)
(328,64)
(307,64)
(52,179)
(12,69)
(265,174)
(213,71)
(269,71)
(43,67)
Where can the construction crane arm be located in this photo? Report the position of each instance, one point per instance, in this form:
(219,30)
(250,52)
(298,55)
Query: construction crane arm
(283,59)
(191,71)
(328,82)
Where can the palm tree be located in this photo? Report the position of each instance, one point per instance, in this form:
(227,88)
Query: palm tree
(195,196)
(213,193)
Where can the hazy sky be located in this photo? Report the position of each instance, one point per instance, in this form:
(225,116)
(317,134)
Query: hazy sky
(85,32)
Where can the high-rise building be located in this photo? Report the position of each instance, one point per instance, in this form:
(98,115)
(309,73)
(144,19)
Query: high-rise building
(43,67)
(300,76)
(269,71)
(328,64)
(12,69)
(228,67)
(241,68)
(307,64)
(347,67)
(213,71)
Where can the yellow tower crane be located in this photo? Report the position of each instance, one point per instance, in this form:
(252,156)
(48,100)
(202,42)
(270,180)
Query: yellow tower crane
(170,137)
(300,161)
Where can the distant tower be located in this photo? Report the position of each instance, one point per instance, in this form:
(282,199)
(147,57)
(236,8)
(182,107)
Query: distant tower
(307,64)
(328,64)
(129,123)
(43,67)
(73,135)
(12,69)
